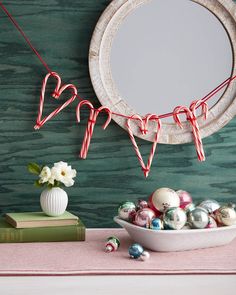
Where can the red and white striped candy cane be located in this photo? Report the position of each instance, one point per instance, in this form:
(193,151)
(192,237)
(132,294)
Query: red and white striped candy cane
(91,123)
(144,130)
(56,94)
(192,118)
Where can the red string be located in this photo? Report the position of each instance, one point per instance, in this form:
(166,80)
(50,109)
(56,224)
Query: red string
(25,37)
(204,99)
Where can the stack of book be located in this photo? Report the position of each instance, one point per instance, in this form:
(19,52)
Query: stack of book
(38,227)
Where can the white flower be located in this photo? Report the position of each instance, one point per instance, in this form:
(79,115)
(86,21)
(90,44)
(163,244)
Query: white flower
(63,173)
(45,174)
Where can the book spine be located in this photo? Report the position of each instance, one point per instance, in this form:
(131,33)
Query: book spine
(46,234)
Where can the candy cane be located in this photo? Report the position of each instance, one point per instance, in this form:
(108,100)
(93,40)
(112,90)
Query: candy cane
(56,94)
(143,128)
(192,118)
(91,123)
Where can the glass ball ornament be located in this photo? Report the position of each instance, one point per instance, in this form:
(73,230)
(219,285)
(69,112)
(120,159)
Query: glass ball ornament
(174,218)
(185,198)
(112,244)
(142,204)
(226,215)
(144,217)
(164,198)
(189,208)
(212,223)
(210,205)
(198,218)
(156,224)
(135,251)
(145,256)
(126,211)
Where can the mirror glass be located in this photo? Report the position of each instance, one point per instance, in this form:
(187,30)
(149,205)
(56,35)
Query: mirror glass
(168,53)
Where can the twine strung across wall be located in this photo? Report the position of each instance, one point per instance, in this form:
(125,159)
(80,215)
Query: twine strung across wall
(143,122)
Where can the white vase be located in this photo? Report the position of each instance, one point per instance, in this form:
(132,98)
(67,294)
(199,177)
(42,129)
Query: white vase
(53,201)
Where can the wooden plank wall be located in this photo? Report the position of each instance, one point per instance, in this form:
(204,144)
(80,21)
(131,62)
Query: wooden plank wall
(61,30)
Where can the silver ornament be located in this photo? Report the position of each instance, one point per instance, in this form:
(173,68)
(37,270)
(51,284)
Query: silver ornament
(174,218)
(198,218)
(189,208)
(226,215)
(210,205)
(145,256)
(164,198)
(127,210)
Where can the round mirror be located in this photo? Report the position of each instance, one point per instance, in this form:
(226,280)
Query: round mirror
(151,56)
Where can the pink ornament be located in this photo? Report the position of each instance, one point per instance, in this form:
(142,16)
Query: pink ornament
(144,217)
(142,204)
(185,198)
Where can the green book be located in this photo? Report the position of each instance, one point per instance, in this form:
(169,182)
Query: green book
(9,234)
(40,219)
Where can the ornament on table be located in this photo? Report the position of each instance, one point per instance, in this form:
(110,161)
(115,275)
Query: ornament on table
(145,256)
(156,224)
(174,218)
(144,217)
(112,244)
(226,215)
(210,205)
(127,210)
(164,198)
(212,223)
(198,218)
(142,204)
(136,251)
(185,198)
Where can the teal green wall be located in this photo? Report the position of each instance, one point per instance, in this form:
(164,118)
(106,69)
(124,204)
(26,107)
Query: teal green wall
(61,31)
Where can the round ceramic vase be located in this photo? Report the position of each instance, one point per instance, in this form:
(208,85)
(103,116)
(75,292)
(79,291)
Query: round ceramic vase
(53,201)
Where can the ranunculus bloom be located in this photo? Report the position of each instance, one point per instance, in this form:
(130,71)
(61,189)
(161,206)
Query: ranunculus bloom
(63,173)
(45,175)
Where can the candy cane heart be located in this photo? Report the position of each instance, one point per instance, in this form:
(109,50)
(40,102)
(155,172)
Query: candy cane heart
(191,117)
(56,94)
(144,130)
(91,123)
(199,103)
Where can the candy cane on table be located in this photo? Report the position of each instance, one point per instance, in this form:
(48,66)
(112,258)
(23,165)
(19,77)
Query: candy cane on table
(56,94)
(144,130)
(192,118)
(91,123)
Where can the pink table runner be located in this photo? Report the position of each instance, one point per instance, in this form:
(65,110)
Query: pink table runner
(89,258)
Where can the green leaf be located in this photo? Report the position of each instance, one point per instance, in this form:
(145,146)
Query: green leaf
(49,185)
(57,183)
(34,168)
(38,184)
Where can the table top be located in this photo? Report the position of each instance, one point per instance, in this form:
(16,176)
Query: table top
(89,258)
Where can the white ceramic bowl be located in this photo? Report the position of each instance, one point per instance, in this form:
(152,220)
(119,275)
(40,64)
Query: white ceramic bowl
(178,240)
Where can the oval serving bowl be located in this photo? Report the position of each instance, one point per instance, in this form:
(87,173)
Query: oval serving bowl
(178,240)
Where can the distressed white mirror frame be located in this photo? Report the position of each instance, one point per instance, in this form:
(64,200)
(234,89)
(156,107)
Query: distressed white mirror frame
(100,71)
